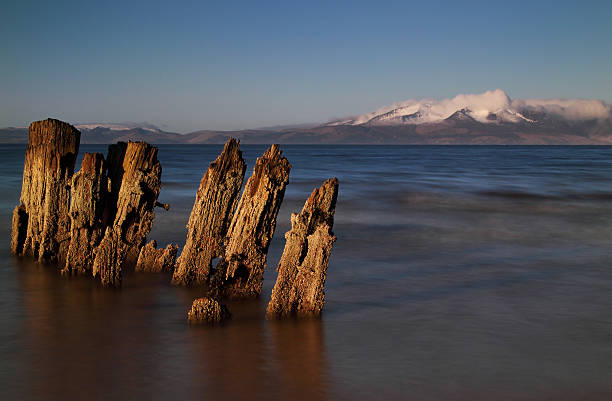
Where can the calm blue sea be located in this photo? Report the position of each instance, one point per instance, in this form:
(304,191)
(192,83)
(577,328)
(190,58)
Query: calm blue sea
(459,273)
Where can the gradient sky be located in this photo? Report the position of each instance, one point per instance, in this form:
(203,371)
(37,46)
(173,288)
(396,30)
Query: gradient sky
(229,65)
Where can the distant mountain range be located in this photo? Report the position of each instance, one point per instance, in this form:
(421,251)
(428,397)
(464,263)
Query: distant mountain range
(487,118)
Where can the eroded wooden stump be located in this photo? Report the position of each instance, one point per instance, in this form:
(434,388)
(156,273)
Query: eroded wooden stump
(135,175)
(303,266)
(88,212)
(155,260)
(240,273)
(210,217)
(41,223)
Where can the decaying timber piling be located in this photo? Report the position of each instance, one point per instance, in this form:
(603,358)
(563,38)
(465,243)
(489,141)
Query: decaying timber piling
(303,266)
(89,213)
(239,274)
(96,222)
(210,217)
(41,223)
(154,260)
(112,210)
(135,176)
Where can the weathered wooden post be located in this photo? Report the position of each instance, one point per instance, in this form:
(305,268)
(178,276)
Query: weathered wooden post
(88,214)
(239,274)
(41,222)
(135,175)
(210,217)
(303,266)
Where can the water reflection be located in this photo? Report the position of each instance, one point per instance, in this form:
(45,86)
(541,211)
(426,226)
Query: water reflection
(81,341)
(465,273)
(299,351)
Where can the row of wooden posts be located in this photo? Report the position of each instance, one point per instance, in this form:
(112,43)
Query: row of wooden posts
(96,222)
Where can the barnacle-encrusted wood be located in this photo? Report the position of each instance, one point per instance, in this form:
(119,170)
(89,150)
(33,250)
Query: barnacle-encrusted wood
(240,273)
(88,213)
(135,175)
(41,223)
(210,217)
(303,266)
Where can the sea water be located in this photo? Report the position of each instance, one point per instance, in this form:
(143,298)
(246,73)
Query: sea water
(459,273)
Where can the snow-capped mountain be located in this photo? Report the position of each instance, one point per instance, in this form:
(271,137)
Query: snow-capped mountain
(118,126)
(490,107)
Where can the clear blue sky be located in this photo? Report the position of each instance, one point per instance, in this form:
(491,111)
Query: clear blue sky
(230,65)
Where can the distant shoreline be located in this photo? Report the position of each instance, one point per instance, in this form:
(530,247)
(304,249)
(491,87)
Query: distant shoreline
(500,135)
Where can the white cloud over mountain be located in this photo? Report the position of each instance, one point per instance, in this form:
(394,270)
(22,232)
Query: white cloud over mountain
(571,109)
(487,107)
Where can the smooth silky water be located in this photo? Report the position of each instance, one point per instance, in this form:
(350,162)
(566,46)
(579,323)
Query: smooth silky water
(459,273)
